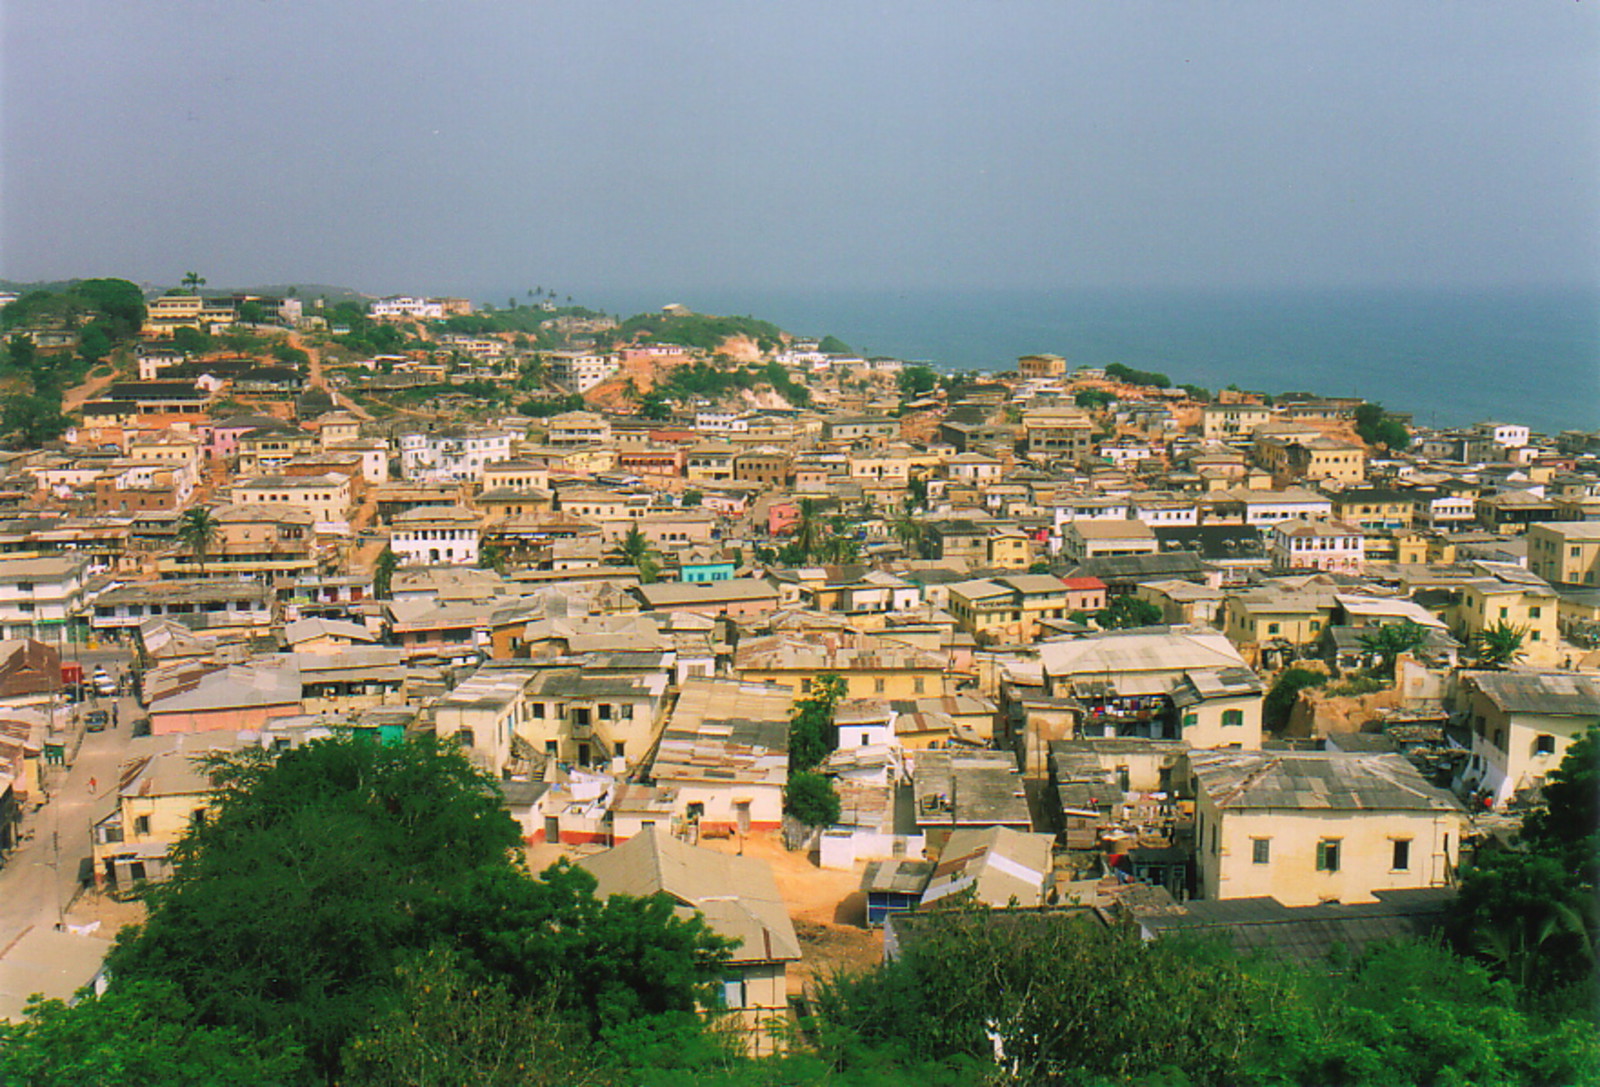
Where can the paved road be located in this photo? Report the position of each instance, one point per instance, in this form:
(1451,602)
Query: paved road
(40,878)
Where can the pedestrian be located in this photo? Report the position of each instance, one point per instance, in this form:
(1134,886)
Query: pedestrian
(92,784)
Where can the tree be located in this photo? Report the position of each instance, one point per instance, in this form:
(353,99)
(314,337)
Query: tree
(492,557)
(1499,645)
(32,421)
(1375,426)
(142,1032)
(812,735)
(383,573)
(636,550)
(21,354)
(1388,641)
(194,281)
(1128,611)
(838,548)
(320,871)
(251,312)
(1285,692)
(907,528)
(832,345)
(1093,399)
(692,498)
(654,406)
(808,529)
(812,799)
(94,343)
(913,381)
(197,529)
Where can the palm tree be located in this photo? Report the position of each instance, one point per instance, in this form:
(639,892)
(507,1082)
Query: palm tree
(1499,645)
(808,530)
(383,573)
(838,549)
(198,529)
(635,550)
(907,528)
(194,281)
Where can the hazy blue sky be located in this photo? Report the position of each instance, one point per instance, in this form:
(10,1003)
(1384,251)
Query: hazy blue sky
(478,145)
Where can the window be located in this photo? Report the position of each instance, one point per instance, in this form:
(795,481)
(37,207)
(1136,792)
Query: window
(1260,850)
(141,824)
(877,686)
(1533,612)
(538,711)
(621,747)
(1190,720)
(1272,628)
(1328,855)
(1402,855)
(918,685)
(1544,744)
(1233,717)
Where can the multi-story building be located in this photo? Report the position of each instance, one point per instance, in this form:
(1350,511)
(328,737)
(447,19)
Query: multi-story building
(579,371)
(326,497)
(427,536)
(1522,723)
(1311,827)
(1057,433)
(454,455)
(1326,545)
(41,597)
(1565,552)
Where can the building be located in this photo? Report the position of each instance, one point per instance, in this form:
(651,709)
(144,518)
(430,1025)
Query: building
(1565,552)
(723,759)
(40,598)
(1317,827)
(1057,433)
(1522,723)
(428,535)
(456,454)
(871,667)
(738,899)
(579,371)
(327,497)
(1330,546)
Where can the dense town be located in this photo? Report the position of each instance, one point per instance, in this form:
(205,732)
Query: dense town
(814,643)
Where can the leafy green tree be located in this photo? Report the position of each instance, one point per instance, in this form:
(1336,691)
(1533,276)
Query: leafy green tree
(1499,645)
(832,345)
(1285,692)
(1128,611)
(913,381)
(251,312)
(143,1032)
(812,799)
(119,303)
(812,733)
(191,341)
(197,530)
(318,872)
(1375,426)
(32,421)
(94,343)
(1093,399)
(492,557)
(1387,641)
(692,498)
(655,406)
(21,354)
(383,573)
(450,1029)
(838,548)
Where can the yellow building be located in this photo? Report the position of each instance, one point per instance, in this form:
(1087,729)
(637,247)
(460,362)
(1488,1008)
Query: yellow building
(1527,604)
(1275,613)
(1565,552)
(160,798)
(1310,827)
(327,497)
(871,667)
(1522,724)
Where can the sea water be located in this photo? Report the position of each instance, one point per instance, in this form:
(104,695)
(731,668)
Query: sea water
(1448,357)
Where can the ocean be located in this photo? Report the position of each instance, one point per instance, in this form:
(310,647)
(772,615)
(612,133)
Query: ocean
(1449,357)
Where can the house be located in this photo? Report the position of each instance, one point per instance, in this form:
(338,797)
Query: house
(208,698)
(1174,683)
(723,759)
(871,666)
(1083,540)
(1317,827)
(600,710)
(1000,866)
(736,598)
(431,535)
(157,799)
(209,605)
(739,901)
(1057,433)
(1565,553)
(40,597)
(1331,546)
(955,788)
(1522,723)
(327,497)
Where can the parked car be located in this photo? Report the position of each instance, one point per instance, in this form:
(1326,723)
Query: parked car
(98,720)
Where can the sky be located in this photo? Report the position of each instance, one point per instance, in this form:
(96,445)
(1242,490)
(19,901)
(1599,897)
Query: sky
(478,146)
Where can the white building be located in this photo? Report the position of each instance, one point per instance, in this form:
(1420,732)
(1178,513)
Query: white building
(39,596)
(402,307)
(1330,546)
(1509,435)
(452,456)
(429,535)
(579,372)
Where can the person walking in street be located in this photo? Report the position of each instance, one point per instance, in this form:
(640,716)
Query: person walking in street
(92,784)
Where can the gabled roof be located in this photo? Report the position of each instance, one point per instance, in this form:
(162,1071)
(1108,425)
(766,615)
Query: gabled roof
(736,895)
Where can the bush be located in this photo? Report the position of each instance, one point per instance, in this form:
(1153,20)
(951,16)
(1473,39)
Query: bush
(1356,685)
(1279,703)
(812,799)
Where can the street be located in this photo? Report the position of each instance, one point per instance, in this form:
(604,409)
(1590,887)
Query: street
(39,881)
